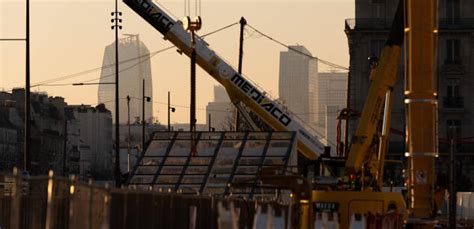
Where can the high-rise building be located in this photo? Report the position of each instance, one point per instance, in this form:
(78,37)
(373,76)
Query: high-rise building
(134,66)
(331,99)
(297,83)
(367,34)
(221,111)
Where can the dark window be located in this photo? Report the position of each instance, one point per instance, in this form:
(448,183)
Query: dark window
(453,97)
(378,1)
(454,127)
(376,47)
(453,91)
(453,51)
(453,11)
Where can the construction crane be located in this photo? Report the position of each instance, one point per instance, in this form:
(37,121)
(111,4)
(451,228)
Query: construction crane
(367,153)
(366,158)
(368,149)
(362,158)
(240,89)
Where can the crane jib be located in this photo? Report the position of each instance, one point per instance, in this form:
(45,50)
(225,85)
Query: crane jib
(270,111)
(260,99)
(156,14)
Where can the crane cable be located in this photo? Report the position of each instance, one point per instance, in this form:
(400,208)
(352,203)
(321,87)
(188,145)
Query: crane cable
(197,8)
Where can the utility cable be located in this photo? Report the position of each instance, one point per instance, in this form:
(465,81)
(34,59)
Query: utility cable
(218,30)
(144,57)
(159,51)
(132,66)
(295,50)
(41,83)
(183,106)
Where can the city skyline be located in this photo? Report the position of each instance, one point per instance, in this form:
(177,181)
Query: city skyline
(169,68)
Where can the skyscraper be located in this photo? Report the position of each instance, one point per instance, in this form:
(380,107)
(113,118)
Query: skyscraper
(134,60)
(297,83)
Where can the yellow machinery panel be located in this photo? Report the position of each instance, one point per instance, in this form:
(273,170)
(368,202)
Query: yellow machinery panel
(348,203)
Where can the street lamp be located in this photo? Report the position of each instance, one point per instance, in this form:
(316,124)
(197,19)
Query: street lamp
(172,109)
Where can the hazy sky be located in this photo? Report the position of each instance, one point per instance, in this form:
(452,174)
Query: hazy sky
(70,36)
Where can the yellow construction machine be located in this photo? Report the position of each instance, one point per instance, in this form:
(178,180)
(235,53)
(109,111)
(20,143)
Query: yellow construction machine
(365,160)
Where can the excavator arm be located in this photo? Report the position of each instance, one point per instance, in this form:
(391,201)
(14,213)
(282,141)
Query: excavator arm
(238,88)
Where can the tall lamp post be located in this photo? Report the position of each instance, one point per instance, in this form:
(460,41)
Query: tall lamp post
(170,109)
(129,140)
(27,159)
(116,20)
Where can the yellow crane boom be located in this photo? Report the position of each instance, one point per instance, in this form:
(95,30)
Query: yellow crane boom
(383,77)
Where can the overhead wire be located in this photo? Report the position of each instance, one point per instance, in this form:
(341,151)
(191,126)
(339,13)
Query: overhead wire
(337,66)
(183,106)
(162,50)
(205,109)
(143,57)
(132,66)
(54,85)
(88,71)
(309,56)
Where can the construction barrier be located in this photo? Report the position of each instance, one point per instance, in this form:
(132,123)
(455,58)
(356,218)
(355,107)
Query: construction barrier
(465,206)
(376,221)
(464,209)
(52,202)
(326,220)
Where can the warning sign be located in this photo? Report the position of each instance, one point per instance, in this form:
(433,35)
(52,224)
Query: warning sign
(421,177)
